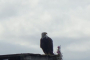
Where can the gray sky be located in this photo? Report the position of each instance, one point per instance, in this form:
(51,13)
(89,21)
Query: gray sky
(67,22)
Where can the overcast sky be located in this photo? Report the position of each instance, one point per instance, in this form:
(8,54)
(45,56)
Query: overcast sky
(67,22)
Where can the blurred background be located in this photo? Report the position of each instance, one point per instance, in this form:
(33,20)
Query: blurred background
(67,22)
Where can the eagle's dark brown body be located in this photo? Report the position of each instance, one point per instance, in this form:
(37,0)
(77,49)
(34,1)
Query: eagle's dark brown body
(46,44)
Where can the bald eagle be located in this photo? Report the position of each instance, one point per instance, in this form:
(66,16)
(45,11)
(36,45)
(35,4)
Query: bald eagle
(46,44)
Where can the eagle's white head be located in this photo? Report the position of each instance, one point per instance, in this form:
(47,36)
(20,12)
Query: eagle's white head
(44,34)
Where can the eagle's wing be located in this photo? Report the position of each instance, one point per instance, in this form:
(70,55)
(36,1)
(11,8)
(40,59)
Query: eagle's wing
(50,45)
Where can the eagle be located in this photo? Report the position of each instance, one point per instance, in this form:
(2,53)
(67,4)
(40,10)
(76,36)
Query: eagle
(46,44)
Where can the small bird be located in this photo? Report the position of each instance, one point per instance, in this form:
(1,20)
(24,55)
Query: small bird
(46,44)
(58,51)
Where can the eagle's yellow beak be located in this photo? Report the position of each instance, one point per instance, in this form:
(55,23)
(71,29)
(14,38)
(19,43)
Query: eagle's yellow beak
(45,33)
